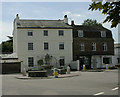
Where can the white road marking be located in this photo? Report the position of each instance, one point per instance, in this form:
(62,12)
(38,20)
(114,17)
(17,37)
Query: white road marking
(99,93)
(115,88)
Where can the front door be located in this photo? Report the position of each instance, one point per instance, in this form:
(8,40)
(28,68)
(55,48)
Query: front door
(81,60)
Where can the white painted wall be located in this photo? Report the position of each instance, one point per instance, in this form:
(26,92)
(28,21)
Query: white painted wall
(98,60)
(38,40)
(116,55)
(119,33)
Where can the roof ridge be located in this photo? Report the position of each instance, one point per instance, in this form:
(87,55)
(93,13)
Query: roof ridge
(37,20)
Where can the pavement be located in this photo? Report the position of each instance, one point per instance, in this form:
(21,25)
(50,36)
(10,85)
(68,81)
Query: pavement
(72,74)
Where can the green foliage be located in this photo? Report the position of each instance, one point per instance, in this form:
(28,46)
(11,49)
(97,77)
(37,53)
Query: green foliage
(111,9)
(40,62)
(90,22)
(7,46)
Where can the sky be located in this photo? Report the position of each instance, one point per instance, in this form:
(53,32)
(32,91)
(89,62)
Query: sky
(77,11)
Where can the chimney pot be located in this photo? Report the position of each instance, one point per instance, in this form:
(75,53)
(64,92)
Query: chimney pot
(72,22)
(65,16)
(65,19)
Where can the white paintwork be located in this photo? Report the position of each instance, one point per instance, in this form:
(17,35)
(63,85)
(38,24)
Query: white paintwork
(78,65)
(116,54)
(21,40)
(97,61)
(65,20)
(119,33)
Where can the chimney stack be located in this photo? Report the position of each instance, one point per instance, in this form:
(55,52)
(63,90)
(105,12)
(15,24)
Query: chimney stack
(65,19)
(72,22)
(17,19)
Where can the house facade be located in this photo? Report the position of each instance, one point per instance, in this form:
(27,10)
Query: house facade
(34,39)
(116,57)
(93,46)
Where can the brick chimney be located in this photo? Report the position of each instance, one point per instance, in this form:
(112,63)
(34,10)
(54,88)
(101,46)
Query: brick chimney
(72,22)
(65,19)
(17,19)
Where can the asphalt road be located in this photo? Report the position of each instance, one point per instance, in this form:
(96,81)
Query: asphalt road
(88,83)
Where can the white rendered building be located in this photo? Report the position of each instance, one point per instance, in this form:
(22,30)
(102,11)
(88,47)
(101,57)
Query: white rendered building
(33,39)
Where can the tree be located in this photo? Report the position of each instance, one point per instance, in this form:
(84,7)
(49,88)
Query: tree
(90,22)
(111,9)
(7,46)
(40,62)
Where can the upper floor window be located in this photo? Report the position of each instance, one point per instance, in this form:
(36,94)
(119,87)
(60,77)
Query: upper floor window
(45,32)
(30,33)
(46,46)
(61,46)
(30,46)
(61,33)
(82,47)
(104,46)
(103,34)
(93,46)
(30,61)
(80,33)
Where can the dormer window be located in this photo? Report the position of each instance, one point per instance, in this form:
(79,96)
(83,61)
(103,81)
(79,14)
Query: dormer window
(103,34)
(80,33)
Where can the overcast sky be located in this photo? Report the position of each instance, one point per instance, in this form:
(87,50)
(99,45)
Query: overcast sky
(77,11)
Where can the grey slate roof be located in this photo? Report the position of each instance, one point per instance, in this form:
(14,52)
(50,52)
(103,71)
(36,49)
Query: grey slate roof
(91,28)
(42,24)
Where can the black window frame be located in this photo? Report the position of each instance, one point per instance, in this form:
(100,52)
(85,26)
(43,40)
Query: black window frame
(61,32)
(30,61)
(30,46)
(46,46)
(30,33)
(45,32)
(62,61)
(61,46)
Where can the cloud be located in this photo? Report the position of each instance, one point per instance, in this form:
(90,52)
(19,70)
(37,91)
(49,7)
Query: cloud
(6,30)
(77,15)
(114,30)
(72,14)
(67,12)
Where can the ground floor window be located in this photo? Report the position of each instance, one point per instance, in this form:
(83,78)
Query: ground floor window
(106,60)
(118,60)
(62,61)
(30,61)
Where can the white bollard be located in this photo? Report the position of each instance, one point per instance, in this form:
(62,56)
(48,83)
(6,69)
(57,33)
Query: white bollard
(78,65)
(24,72)
(55,73)
(107,66)
(68,70)
(83,67)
